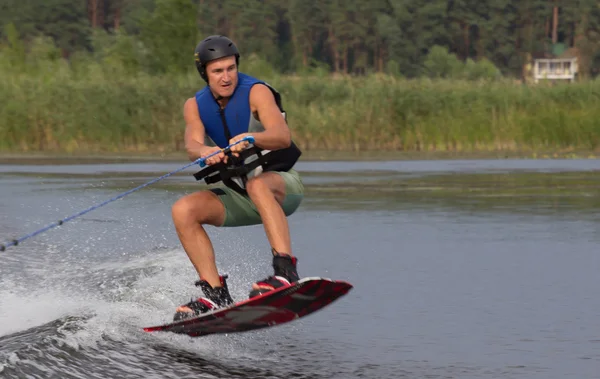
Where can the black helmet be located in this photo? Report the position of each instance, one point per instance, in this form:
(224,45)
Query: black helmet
(214,47)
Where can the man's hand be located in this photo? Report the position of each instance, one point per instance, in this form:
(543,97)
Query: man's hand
(235,149)
(215,158)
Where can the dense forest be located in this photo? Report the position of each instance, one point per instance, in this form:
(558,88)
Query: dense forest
(346,36)
(401,75)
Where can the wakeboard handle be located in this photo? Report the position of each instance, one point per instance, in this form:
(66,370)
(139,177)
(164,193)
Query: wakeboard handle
(226,150)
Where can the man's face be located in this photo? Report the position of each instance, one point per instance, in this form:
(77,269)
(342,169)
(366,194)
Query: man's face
(222,76)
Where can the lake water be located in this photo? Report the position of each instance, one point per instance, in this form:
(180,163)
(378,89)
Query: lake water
(462,269)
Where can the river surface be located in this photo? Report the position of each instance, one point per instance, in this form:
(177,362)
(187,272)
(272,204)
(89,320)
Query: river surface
(461,269)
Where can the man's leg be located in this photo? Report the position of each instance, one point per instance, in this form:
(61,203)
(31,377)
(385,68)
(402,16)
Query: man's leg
(189,214)
(267,192)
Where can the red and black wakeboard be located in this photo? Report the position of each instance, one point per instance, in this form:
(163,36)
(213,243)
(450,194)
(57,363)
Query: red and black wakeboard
(275,307)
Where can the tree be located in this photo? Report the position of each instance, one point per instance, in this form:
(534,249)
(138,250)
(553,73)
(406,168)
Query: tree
(306,22)
(169,34)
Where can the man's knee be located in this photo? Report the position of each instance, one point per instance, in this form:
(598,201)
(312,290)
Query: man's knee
(268,183)
(256,185)
(201,207)
(182,210)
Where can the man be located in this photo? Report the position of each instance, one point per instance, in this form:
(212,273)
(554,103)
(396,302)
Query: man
(232,106)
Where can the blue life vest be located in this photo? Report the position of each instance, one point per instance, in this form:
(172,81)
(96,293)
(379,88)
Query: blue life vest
(237,112)
(220,125)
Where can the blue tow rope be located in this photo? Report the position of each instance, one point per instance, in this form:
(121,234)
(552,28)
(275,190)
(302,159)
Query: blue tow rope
(199,161)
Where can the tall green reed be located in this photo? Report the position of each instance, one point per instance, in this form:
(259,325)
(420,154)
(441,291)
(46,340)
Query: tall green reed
(89,107)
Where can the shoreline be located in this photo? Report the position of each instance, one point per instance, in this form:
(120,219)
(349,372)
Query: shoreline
(52,158)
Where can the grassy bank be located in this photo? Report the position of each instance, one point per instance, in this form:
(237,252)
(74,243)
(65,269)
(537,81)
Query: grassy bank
(67,111)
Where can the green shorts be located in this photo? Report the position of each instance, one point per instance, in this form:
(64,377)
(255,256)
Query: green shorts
(241,211)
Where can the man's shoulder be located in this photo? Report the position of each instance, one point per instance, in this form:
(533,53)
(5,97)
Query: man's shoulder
(260,90)
(190,102)
(263,92)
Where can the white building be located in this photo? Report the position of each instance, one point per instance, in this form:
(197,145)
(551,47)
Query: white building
(555,69)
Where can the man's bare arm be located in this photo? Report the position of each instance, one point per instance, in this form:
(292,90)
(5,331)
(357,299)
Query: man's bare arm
(277,134)
(194,131)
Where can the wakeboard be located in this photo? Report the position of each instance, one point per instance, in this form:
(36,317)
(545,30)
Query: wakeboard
(276,307)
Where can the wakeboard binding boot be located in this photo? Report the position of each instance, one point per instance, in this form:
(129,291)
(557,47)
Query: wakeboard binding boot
(284,267)
(215,298)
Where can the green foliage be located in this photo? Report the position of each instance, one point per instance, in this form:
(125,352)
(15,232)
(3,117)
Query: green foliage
(429,75)
(43,50)
(65,21)
(13,54)
(306,23)
(351,37)
(393,68)
(169,35)
(482,69)
(257,66)
(440,63)
(110,111)
(118,52)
